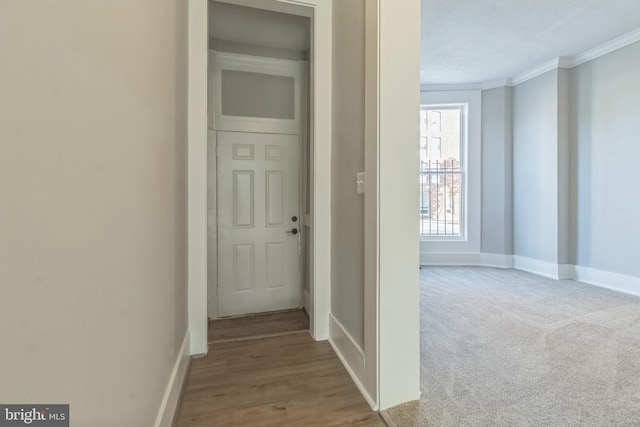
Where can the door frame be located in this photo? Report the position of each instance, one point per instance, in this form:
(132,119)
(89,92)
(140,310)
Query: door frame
(392,341)
(320,12)
(297,69)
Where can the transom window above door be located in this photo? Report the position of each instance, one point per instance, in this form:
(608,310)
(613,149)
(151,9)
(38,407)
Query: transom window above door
(256,94)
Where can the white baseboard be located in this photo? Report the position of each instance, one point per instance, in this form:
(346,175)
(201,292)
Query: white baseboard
(536,266)
(606,279)
(566,271)
(351,356)
(472,259)
(171,399)
(592,276)
(497,260)
(602,278)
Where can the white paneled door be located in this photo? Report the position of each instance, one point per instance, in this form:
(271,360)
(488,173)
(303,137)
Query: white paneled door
(258,222)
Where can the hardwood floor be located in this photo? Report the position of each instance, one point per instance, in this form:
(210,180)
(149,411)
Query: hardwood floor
(288,380)
(258,325)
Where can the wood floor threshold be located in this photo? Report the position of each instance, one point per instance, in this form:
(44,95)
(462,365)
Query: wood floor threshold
(257,337)
(291,310)
(387,419)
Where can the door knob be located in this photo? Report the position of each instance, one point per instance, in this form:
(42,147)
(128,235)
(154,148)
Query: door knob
(293,231)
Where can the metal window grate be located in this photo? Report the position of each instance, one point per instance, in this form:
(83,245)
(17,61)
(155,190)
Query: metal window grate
(440,197)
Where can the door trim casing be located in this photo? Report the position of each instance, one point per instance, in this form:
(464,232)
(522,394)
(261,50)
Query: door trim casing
(392,348)
(217,122)
(320,173)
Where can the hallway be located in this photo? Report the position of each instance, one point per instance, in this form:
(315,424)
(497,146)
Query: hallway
(286,380)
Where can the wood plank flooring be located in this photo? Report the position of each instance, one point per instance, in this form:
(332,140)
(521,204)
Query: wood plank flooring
(288,380)
(258,325)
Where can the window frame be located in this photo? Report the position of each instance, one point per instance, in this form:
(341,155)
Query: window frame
(463,107)
(439,251)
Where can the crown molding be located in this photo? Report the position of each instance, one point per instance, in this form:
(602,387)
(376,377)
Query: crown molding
(565,62)
(574,61)
(492,84)
(539,70)
(559,62)
(606,48)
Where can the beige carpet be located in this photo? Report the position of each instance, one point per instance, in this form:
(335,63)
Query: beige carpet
(508,348)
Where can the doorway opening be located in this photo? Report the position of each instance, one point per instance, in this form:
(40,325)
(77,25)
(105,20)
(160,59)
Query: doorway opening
(258,204)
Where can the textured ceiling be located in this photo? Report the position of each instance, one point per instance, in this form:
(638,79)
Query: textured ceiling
(471,41)
(258,27)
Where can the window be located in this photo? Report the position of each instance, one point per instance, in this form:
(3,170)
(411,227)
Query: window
(442,171)
(435,117)
(436,148)
(248,94)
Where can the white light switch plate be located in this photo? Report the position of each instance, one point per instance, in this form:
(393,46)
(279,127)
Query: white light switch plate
(360,183)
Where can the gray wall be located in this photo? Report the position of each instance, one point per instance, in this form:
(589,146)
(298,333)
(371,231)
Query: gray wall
(253,26)
(93,205)
(347,262)
(535,166)
(257,32)
(605,149)
(563,172)
(575,150)
(497,171)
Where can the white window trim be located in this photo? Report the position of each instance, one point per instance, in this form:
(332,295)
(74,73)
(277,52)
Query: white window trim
(470,241)
(464,135)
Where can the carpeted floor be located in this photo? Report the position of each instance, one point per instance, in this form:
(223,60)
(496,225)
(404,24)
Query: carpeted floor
(508,348)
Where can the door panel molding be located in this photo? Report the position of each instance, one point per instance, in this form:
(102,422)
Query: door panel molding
(258,255)
(243,265)
(243,199)
(274,211)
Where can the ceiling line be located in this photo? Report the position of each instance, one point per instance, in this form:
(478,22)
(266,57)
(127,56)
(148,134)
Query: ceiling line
(558,62)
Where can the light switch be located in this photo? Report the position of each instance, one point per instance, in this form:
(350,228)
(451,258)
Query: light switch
(360,183)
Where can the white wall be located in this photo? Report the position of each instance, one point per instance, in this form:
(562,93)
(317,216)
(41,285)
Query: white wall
(535,166)
(398,192)
(376,97)
(197,176)
(258,32)
(347,240)
(497,171)
(93,220)
(604,149)
(259,27)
